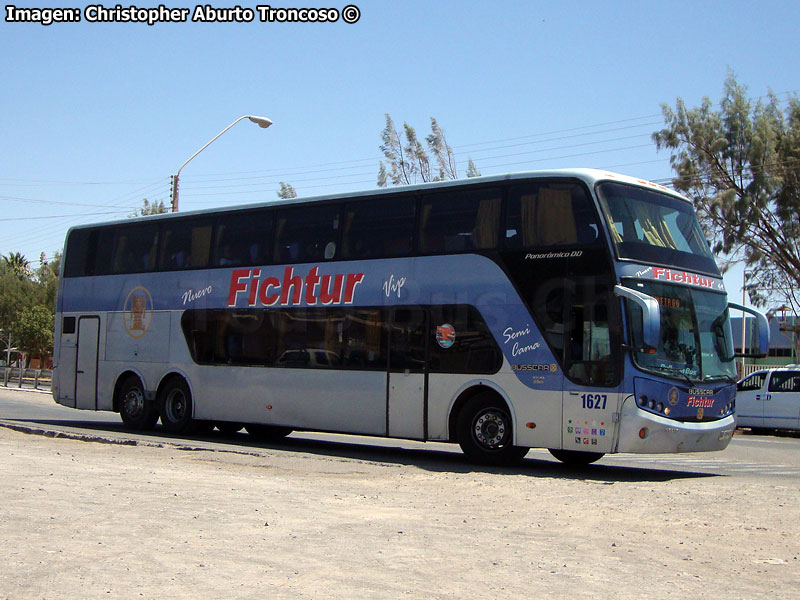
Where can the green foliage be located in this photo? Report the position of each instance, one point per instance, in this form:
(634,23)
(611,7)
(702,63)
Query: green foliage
(148,208)
(33,329)
(27,303)
(286,191)
(18,264)
(472,170)
(740,164)
(408,160)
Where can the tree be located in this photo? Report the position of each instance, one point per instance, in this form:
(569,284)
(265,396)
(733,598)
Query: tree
(148,208)
(28,303)
(472,170)
(408,160)
(286,191)
(740,165)
(15,293)
(33,330)
(47,278)
(18,264)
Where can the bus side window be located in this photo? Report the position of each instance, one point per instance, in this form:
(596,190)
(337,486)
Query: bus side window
(549,214)
(364,339)
(473,349)
(460,222)
(378,228)
(185,245)
(241,239)
(407,340)
(135,249)
(307,234)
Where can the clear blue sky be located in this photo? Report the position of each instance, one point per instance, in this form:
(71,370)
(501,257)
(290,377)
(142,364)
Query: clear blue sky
(95,117)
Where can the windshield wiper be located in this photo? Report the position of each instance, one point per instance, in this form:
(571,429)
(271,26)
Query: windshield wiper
(678,372)
(727,378)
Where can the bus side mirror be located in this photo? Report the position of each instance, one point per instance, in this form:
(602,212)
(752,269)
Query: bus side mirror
(761,333)
(651,315)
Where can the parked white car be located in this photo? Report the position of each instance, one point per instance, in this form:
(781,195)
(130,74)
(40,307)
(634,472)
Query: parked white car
(769,399)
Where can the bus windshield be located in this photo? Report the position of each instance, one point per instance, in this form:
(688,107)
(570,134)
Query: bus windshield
(655,228)
(696,340)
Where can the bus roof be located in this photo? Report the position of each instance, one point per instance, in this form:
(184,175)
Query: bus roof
(589,176)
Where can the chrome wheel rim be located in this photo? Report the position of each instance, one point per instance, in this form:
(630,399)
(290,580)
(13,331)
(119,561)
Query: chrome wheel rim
(490,429)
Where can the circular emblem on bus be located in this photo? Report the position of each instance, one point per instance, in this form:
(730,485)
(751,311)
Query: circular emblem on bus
(137,312)
(672,396)
(445,335)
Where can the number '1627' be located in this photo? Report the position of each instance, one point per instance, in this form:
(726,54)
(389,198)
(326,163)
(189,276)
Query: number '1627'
(596,401)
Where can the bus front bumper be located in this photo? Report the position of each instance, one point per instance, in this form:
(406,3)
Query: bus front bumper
(646,433)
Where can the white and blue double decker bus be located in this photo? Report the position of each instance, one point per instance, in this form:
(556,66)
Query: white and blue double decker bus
(575,310)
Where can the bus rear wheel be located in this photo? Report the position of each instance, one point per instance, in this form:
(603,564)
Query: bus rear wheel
(136,411)
(485,432)
(175,406)
(576,458)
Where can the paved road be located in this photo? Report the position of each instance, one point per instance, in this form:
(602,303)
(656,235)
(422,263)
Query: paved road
(748,456)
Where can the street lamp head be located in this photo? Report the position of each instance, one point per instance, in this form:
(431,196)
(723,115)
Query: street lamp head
(262,122)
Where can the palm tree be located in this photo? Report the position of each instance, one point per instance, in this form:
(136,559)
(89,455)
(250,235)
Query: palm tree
(17,262)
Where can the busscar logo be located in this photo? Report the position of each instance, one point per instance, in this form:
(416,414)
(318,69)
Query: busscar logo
(137,312)
(551,368)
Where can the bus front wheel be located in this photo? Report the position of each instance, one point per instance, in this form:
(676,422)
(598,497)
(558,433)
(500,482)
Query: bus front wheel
(485,432)
(136,411)
(175,406)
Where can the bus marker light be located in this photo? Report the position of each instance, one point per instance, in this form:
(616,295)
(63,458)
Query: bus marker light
(269,406)
(643,433)
(530,425)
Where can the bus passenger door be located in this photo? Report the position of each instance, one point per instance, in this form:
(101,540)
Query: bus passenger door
(406,376)
(592,386)
(86,363)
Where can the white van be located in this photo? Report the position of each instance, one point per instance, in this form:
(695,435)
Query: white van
(769,399)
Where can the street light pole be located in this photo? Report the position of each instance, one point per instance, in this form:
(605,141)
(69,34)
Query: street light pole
(744,282)
(262,122)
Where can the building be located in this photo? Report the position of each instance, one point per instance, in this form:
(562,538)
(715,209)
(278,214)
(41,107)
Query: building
(781,343)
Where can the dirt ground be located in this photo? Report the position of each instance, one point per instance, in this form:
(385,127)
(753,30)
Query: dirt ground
(96,520)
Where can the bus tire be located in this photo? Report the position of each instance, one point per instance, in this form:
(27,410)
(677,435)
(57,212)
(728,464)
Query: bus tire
(267,433)
(576,458)
(485,432)
(175,406)
(136,411)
